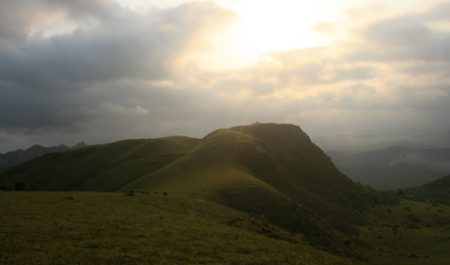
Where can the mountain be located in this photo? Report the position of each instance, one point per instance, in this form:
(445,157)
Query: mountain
(17,157)
(79,145)
(250,167)
(436,191)
(394,167)
(273,170)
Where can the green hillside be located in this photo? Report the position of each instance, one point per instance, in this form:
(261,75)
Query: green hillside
(436,191)
(411,232)
(105,167)
(111,228)
(256,194)
(273,170)
(155,228)
(263,167)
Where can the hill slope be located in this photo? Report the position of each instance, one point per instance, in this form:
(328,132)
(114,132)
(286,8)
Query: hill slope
(100,167)
(110,228)
(251,167)
(436,191)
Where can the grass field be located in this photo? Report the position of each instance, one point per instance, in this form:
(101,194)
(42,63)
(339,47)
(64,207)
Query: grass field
(409,233)
(153,228)
(112,228)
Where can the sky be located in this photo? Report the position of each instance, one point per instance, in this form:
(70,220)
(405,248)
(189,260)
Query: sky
(352,74)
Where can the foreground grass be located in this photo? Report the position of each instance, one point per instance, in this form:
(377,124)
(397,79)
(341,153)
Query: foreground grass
(409,233)
(112,228)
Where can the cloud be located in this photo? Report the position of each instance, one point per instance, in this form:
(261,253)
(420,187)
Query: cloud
(390,78)
(45,76)
(95,71)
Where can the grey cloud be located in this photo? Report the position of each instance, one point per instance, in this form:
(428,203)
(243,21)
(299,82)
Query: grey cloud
(440,12)
(406,38)
(355,73)
(401,31)
(59,81)
(131,46)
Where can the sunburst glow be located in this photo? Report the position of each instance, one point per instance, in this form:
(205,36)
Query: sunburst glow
(275,26)
(263,26)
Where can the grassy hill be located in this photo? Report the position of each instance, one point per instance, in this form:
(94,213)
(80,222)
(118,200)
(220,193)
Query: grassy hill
(152,228)
(105,167)
(273,170)
(112,228)
(411,232)
(261,165)
(436,191)
(256,194)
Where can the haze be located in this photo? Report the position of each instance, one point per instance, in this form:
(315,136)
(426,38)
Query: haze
(350,73)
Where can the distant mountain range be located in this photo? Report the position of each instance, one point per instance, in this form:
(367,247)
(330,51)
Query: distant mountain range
(394,167)
(14,158)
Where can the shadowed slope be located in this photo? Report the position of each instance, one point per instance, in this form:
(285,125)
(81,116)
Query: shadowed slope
(310,175)
(436,191)
(101,167)
(17,157)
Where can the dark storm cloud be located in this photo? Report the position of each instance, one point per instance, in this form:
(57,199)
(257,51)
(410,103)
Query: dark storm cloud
(53,81)
(123,46)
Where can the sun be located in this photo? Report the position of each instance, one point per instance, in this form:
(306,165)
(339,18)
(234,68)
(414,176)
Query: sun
(264,26)
(260,26)
(275,25)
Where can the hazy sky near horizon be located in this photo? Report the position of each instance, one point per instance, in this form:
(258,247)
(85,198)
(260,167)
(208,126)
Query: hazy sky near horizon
(348,72)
